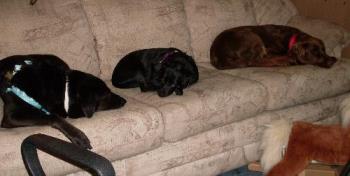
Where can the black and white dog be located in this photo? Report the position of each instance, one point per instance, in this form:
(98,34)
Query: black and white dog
(165,70)
(43,90)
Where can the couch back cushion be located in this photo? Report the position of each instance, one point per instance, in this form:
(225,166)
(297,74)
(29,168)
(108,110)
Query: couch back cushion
(50,26)
(207,18)
(273,11)
(123,26)
(334,36)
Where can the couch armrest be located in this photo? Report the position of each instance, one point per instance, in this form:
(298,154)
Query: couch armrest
(334,36)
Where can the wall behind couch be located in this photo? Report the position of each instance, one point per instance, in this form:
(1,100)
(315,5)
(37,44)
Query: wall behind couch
(336,11)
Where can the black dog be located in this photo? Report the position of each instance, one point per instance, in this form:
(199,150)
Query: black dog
(164,70)
(42,90)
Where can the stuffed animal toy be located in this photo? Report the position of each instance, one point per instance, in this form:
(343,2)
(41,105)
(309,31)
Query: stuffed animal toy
(303,143)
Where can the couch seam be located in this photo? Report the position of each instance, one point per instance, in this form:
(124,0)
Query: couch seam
(189,40)
(94,38)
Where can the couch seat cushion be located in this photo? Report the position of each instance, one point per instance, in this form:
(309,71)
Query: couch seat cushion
(217,99)
(55,27)
(288,86)
(115,134)
(334,37)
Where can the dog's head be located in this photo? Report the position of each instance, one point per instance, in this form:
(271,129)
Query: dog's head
(310,50)
(90,94)
(174,72)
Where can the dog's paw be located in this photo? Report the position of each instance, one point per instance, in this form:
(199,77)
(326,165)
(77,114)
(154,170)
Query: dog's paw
(81,140)
(179,92)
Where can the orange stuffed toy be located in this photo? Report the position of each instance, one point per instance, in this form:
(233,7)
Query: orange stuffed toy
(304,142)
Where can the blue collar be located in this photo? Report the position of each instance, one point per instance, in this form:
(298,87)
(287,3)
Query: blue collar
(167,56)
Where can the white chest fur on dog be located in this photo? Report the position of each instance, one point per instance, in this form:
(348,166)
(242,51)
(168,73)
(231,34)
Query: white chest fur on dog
(66,95)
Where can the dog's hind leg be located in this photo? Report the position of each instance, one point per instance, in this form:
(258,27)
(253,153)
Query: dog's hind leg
(273,61)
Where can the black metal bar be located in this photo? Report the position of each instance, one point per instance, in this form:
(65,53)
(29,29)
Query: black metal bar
(85,159)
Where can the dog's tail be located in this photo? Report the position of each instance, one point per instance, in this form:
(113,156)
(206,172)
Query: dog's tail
(274,140)
(344,109)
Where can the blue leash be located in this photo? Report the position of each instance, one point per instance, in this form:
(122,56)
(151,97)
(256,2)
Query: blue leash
(22,95)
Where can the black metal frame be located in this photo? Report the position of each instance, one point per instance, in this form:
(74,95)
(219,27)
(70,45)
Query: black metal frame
(73,154)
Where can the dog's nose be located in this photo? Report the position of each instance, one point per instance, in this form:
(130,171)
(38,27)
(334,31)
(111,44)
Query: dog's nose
(88,111)
(327,62)
(164,93)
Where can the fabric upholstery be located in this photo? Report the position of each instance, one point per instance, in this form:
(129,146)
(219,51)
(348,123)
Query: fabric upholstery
(208,166)
(207,18)
(273,11)
(289,86)
(55,27)
(334,36)
(121,26)
(215,126)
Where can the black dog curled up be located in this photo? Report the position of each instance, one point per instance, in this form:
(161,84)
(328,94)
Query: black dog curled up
(165,70)
(43,90)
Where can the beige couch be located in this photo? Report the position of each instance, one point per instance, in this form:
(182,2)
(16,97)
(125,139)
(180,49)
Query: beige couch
(216,125)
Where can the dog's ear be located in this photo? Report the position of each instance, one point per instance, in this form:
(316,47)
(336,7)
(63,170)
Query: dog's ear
(88,105)
(92,103)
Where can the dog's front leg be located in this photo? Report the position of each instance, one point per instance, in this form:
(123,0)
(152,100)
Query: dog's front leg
(273,61)
(72,133)
(144,86)
(179,91)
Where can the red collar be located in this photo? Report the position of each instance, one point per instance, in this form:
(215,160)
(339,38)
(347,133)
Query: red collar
(292,41)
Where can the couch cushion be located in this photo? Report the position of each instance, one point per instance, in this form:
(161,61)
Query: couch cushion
(55,27)
(207,18)
(115,134)
(288,86)
(217,99)
(334,36)
(209,166)
(121,26)
(273,11)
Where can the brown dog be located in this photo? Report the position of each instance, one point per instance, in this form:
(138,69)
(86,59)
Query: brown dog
(267,46)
